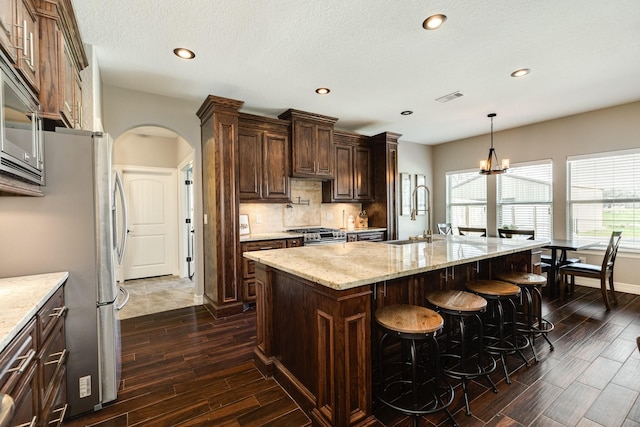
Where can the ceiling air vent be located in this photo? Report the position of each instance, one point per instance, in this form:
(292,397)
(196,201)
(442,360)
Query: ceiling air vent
(450,97)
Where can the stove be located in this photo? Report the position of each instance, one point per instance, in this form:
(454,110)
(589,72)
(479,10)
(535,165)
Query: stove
(320,235)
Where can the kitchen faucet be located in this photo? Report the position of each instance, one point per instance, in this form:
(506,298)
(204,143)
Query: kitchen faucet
(414,211)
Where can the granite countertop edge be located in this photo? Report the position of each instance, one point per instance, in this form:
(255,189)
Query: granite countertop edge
(293,268)
(20,299)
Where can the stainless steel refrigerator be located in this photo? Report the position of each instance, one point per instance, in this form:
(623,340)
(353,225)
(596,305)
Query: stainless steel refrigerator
(77,227)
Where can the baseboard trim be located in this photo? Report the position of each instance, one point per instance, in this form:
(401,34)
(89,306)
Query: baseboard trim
(620,287)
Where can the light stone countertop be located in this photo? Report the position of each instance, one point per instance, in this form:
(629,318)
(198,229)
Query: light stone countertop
(348,265)
(21,298)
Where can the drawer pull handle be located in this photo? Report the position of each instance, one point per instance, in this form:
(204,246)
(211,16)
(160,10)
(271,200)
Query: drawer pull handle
(26,359)
(266,248)
(60,359)
(62,411)
(31,424)
(58,312)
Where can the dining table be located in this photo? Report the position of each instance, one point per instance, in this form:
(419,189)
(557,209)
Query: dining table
(562,246)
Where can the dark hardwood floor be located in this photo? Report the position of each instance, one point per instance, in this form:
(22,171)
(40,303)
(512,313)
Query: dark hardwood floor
(185,368)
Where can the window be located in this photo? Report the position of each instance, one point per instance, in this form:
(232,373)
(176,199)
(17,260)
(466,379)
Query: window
(467,199)
(525,197)
(603,195)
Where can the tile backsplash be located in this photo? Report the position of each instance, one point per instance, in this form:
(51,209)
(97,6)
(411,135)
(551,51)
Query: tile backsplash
(276,217)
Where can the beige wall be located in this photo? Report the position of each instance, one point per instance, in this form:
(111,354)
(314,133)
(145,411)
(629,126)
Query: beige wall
(151,151)
(127,109)
(609,129)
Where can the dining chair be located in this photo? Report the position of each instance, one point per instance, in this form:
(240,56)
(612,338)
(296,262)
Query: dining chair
(445,228)
(522,234)
(603,272)
(472,231)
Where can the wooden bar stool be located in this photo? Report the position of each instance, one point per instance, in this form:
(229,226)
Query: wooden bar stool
(498,340)
(420,394)
(534,325)
(461,360)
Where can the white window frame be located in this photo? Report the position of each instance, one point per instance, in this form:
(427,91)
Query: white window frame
(608,172)
(543,229)
(469,205)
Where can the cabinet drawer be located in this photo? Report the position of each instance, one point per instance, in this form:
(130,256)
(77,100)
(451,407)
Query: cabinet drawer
(248,266)
(294,243)
(374,236)
(16,359)
(249,289)
(52,359)
(49,314)
(53,413)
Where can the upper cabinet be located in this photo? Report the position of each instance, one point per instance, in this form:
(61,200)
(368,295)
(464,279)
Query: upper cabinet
(311,144)
(352,181)
(19,38)
(62,59)
(263,159)
(28,62)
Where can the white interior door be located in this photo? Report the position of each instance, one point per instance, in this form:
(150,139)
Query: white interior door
(152,248)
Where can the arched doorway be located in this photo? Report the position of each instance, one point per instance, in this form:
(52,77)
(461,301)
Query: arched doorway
(159,261)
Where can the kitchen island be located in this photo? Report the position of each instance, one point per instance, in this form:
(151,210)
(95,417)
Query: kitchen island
(314,305)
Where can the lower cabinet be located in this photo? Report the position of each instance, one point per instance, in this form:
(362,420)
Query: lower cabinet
(248,266)
(33,368)
(368,236)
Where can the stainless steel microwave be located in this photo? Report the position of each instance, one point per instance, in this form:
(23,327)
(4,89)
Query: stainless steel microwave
(21,150)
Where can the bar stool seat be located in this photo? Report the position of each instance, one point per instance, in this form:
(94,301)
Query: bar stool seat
(499,342)
(420,394)
(534,324)
(460,360)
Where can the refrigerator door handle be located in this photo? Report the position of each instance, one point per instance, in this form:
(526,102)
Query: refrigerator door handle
(119,188)
(125,301)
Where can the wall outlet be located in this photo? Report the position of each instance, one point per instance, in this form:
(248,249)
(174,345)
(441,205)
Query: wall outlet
(258,219)
(329,216)
(85,386)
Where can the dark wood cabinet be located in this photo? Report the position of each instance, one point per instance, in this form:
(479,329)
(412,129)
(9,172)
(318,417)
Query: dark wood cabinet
(220,205)
(62,57)
(249,267)
(311,144)
(352,181)
(366,236)
(263,159)
(8,29)
(36,362)
(28,61)
(383,209)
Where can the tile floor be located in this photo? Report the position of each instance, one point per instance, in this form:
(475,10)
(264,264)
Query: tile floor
(157,294)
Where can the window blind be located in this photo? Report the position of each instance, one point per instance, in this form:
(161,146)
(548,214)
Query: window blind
(525,198)
(604,195)
(466,199)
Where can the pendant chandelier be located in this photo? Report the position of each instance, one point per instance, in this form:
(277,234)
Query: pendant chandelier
(492,166)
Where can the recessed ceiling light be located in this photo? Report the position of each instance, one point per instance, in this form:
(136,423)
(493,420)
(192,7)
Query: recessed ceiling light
(521,72)
(184,53)
(323,90)
(434,22)
(406,112)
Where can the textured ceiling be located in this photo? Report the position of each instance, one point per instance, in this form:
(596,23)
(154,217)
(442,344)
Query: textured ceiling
(376,58)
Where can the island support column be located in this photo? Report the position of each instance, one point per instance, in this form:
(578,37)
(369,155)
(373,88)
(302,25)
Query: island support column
(316,342)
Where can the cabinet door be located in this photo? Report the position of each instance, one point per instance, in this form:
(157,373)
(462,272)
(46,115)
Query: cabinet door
(77,101)
(304,152)
(25,396)
(275,169)
(324,151)
(249,164)
(28,44)
(343,182)
(8,29)
(363,188)
(67,83)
